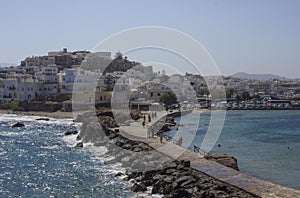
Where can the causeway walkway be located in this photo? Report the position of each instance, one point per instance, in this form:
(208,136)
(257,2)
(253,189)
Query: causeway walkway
(262,188)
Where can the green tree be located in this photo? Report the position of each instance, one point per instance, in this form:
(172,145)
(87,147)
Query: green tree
(168,98)
(238,98)
(13,105)
(229,92)
(204,91)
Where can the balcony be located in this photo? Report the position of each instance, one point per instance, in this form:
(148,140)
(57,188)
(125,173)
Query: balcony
(12,88)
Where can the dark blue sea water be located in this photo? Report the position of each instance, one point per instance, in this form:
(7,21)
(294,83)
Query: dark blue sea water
(266,143)
(36,161)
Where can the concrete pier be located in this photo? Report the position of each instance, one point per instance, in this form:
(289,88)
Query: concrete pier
(135,131)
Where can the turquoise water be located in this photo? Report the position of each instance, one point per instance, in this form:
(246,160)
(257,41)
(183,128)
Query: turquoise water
(37,161)
(266,143)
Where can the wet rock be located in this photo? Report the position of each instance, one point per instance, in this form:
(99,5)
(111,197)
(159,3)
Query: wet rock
(71,133)
(179,193)
(139,187)
(78,138)
(170,171)
(148,182)
(108,121)
(208,194)
(132,175)
(224,159)
(112,136)
(43,119)
(119,174)
(149,174)
(18,124)
(162,187)
(136,149)
(79,145)
(183,181)
(184,178)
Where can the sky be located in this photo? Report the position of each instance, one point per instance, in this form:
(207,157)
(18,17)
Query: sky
(253,36)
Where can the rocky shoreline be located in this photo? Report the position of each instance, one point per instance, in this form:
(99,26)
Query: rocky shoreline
(142,164)
(56,114)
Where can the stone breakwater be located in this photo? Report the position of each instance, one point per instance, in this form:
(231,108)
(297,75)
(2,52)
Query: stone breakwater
(173,179)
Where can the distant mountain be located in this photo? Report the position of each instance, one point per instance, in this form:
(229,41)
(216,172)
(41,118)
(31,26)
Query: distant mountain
(7,64)
(258,76)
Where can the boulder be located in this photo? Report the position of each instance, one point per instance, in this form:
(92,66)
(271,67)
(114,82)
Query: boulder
(162,187)
(43,119)
(223,159)
(147,175)
(139,187)
(78,138)
(184,180)
(71,133)
(79,145)
(119,174)
(180,193)
(18,124)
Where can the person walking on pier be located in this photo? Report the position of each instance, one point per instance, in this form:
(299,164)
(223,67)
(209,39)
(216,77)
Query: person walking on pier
(160,133)
(148,133)
(179,143)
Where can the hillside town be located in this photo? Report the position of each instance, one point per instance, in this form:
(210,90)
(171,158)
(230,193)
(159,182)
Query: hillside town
(50,82)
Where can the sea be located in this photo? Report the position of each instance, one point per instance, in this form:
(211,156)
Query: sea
(265,143)
(39,161)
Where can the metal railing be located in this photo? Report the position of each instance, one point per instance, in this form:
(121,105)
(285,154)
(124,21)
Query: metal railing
(170,139)
(197,149)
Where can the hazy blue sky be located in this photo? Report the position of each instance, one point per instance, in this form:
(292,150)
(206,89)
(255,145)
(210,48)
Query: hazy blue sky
(254,36)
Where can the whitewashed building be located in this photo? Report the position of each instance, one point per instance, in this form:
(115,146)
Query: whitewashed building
(8,90)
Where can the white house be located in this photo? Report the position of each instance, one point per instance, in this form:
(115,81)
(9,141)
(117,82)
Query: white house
(8,90)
